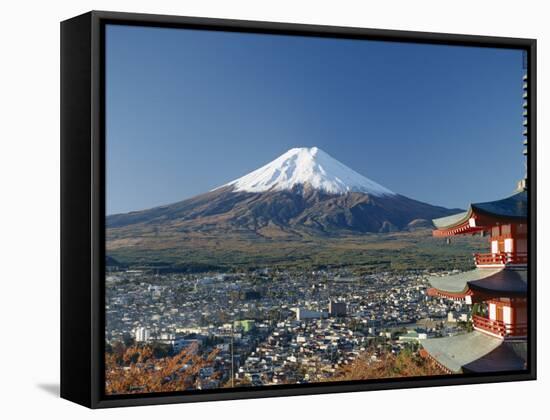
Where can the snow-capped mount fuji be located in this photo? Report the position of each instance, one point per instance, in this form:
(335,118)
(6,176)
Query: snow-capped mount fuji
(305,190)
(307,167)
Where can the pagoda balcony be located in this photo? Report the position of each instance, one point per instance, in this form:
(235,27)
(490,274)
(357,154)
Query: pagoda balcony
(499,328)
(503,259)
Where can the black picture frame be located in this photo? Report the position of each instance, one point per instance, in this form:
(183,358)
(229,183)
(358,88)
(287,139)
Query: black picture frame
(83,206)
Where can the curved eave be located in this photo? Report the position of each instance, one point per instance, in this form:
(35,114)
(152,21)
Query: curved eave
(464,229)
(449,295)
(458,283)
(481,216)
(505,283)
(474,352)
(464,223)
(452,221)
(484,283)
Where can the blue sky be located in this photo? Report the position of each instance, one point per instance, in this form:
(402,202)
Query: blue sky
(190,110)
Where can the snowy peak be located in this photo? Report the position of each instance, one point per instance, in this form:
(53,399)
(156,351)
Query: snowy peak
(307,167)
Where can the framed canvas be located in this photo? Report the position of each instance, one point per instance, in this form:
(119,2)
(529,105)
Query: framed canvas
(254,209)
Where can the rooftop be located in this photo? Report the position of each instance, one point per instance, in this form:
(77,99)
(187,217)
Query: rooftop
(476,352)
(505,282)
(510,208)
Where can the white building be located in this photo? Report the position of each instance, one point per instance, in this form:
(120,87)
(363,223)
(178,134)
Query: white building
(304,314)
(142,334)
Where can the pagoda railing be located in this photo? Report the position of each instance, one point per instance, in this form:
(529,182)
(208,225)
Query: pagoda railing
(499,328)
(501,258)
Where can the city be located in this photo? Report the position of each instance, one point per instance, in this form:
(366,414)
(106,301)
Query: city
(270,326)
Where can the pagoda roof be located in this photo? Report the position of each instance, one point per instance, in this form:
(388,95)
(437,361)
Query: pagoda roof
(476,352)
(508,282)
(452,220)
(513,208)
(500,281)
(457,283)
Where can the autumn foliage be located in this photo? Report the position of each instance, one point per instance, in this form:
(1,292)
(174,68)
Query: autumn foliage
(135,369)
(388,365)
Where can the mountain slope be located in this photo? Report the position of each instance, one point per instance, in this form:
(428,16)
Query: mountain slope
(224,210)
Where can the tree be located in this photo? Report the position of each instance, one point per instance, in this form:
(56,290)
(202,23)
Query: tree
(135,369)
(388,365)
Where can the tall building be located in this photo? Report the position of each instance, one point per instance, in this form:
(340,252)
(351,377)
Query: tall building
(337,308)
(142,334)
(496,289)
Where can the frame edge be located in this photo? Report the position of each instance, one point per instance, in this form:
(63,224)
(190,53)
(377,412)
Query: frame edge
(75,124)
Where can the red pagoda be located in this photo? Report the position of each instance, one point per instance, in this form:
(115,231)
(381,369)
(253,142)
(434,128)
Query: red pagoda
(496,289)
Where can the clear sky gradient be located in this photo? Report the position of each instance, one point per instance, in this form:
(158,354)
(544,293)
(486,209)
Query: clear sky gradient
(190,110)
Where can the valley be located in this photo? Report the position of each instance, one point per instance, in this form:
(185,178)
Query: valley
(362,253)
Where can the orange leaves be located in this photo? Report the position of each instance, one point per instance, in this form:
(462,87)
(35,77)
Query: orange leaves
(136,370)
(389,365)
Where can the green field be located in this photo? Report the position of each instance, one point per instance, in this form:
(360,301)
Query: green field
(360,252)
